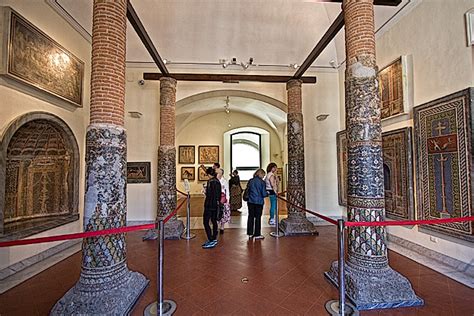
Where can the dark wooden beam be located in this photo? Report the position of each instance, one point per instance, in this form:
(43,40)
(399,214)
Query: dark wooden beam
(393,3)
(146,40)
(335,27)
(225,78)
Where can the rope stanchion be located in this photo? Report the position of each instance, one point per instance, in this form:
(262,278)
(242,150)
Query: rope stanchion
(88,234)
(327,219)
(181,192)
(188,235)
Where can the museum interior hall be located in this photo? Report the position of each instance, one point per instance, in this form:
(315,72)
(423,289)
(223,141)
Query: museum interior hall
(218,157)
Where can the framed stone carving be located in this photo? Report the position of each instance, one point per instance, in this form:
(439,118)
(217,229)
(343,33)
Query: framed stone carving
(398,173)
(341,141)
(202,176)
(394,86)
(444,143)
(138,172)
(186,154)
(188,173)
(34,59)
(208,154)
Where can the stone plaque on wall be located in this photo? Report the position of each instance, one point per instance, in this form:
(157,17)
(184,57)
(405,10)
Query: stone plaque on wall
(444,143)
(398,173)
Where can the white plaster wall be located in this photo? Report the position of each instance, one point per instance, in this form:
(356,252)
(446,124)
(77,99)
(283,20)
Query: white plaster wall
(210,129)
(320,144)
(15,103)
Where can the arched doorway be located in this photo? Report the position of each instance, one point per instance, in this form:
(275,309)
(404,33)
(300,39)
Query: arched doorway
(40,160)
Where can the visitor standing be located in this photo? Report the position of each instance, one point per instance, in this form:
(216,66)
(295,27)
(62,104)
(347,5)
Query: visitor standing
(211,204)
(235,191)
(257,194)
(271,185)
(224,199)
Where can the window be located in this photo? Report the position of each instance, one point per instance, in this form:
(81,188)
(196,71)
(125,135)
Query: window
(245,153)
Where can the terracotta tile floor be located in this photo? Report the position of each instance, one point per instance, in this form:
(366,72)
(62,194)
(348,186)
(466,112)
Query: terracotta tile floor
(285,277)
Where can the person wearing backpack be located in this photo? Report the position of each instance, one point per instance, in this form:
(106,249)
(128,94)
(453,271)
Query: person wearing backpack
(256,195)
(211,205)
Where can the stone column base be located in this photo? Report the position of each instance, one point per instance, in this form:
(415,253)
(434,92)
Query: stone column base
(297,226)
(174,228)
(107,291)
(374,289)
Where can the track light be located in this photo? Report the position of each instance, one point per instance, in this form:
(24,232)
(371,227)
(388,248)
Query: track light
(294,66)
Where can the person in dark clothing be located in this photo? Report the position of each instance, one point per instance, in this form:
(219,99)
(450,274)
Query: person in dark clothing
(257,194)
(211,204)
(235,191)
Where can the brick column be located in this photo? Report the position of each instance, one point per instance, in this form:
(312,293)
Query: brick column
(106,286)
(370,281)
(167,158)
(296,222)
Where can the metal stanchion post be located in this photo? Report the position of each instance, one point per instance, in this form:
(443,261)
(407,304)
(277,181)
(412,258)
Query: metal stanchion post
(160,307)
(341,307)
(188,234)
(277,233)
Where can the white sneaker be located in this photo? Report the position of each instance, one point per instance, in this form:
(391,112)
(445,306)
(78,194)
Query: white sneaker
(271,222)
(259,237)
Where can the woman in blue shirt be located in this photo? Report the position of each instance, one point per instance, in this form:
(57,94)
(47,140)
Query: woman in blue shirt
(257,194)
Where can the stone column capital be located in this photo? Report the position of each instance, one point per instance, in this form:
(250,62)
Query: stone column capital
(168,82)
(294,83)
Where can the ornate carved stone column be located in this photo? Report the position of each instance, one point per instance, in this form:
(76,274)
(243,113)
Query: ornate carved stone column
(167,158)
(370,281)
(296,222)
(105,286)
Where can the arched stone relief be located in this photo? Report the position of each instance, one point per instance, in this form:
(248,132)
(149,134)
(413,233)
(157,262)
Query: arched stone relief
(39,179)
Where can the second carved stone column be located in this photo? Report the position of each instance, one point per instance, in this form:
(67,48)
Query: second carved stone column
(296,222)
(167,158)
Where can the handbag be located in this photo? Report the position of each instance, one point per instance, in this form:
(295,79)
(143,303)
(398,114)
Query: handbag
(245,196)
(223,198)
(220,211)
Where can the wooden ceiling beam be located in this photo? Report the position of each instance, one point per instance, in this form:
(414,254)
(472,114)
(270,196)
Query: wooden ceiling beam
(225,78)
(146,40)
(335,27)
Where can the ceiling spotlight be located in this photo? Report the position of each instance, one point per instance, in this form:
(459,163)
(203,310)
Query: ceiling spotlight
(166,61)
(245,66)
(224,63)
(294,66)
(333,64)
(322,117)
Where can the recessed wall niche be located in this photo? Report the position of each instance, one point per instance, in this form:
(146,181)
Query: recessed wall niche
(39,179)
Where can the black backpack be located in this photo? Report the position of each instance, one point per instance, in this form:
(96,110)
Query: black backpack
(245,195)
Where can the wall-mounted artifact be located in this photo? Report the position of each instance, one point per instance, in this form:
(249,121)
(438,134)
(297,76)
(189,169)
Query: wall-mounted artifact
(188,173)
(202,176)
(33,58)
(444,145)
(398,173)
(341,141)
(138,172)
(186,154)
(208,154)
(395,87)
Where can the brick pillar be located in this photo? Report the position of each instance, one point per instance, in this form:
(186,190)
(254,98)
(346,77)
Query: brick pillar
(105,286)
(296,222)
(370,281)
(167,158)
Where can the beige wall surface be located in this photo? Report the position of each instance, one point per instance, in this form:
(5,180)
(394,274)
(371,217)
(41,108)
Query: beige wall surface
(434,34)
(15,103)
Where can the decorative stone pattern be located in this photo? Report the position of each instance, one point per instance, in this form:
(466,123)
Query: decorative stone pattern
(106,286)
(370,282)
(444,146)
(296,223)
(167,159)
(37,146)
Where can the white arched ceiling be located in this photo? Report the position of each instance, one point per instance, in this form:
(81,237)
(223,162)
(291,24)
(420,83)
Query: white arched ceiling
(269,110)
(273,32)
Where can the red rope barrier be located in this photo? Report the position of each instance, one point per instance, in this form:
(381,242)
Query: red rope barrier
(185,194)
(95,233)
(414,222)
(327,219)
